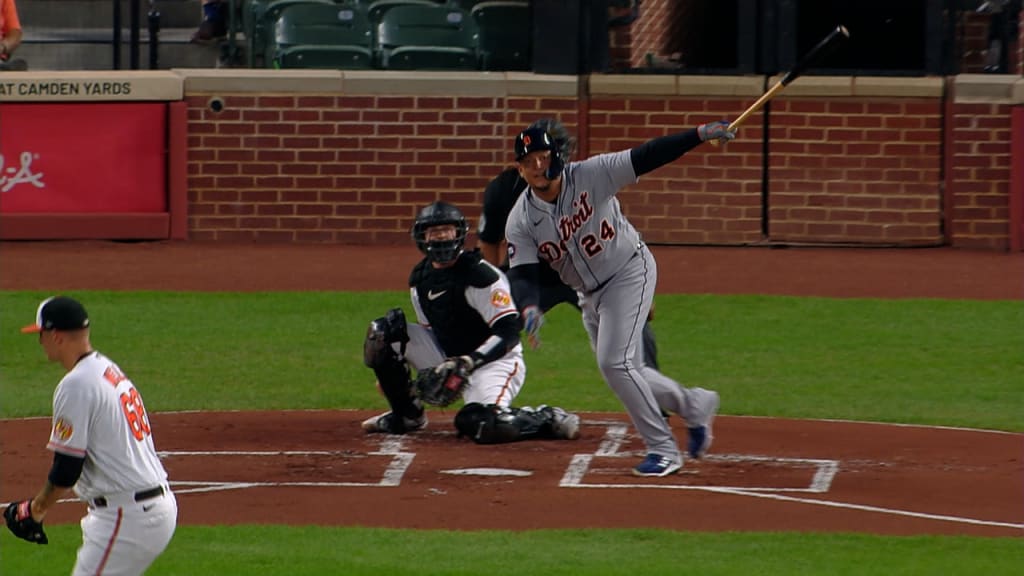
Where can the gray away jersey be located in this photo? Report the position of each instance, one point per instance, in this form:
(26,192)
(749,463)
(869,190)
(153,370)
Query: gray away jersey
(583,235)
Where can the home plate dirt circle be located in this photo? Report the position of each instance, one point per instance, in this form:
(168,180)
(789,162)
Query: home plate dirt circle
(317,467)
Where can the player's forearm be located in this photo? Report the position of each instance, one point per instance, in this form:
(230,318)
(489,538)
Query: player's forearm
(46,498)
(505,336)
(524,280)
(656,153)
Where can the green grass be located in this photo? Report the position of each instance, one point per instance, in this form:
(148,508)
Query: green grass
(942,362)
(945,362)
(315,551)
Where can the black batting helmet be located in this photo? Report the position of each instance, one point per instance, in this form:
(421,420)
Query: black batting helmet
(546,134)
(437,214)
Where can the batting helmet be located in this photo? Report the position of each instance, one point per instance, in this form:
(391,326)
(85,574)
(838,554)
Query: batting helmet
(546,134)
(438,214)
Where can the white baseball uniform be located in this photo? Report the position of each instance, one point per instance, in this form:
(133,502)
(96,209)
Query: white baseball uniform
(463,314)
(98,414)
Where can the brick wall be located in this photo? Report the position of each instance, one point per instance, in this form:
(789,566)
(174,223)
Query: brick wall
(652,31)
(664,23)
(850,160)
(346,169)
(865,171)
(978,199)
(711,196)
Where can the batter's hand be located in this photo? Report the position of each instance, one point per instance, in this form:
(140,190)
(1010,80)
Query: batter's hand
(21,523)
(533,319)
(718,130)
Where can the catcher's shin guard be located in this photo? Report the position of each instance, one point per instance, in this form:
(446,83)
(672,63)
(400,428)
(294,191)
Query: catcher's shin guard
(492,424)
(392,372)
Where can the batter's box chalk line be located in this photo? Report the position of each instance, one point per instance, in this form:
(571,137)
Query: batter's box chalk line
(616,435)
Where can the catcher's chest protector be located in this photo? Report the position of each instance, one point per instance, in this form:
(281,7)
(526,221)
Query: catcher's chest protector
(442,297)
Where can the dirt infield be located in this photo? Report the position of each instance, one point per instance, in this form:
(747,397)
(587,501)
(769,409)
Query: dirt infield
(316,467)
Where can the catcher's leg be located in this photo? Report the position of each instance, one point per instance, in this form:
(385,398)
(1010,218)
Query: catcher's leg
(492,424)
(392,371)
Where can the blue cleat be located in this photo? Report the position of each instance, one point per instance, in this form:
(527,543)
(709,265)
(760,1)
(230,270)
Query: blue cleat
(655,465)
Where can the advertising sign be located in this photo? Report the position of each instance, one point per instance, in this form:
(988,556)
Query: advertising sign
(83,158)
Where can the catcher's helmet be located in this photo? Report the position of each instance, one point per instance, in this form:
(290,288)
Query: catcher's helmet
(546,134)
(437,214)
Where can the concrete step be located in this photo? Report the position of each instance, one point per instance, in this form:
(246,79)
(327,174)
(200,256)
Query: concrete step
(92,49)
(100,13)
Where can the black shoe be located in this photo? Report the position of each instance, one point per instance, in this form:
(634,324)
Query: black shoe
(210,31)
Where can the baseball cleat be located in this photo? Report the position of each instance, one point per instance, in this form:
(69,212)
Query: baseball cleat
(701,436)
(656,465)
(383,424)
(565,425)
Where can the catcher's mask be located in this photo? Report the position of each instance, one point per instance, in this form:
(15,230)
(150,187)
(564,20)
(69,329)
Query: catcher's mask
(546,134)
(438,214)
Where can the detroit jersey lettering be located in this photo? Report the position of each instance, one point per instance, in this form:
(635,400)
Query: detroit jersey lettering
(583,235)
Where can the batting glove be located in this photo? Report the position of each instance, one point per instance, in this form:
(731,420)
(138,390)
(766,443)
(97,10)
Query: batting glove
(718,130)
(533,319)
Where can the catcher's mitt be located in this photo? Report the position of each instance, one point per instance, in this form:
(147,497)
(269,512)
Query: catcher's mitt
(21,524)
(443,384)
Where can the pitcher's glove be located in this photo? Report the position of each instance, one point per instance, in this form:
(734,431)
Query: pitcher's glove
(443,384)
(20,522)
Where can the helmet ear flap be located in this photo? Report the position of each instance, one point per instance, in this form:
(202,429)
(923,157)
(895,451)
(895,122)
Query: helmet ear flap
(555,168)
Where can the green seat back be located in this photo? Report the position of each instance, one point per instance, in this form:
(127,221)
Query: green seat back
(264,13)
(419,37)
(504,27)
(322,36)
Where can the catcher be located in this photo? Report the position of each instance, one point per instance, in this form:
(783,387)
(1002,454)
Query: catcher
(466,345)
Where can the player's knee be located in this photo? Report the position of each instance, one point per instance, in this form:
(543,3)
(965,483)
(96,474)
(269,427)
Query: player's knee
(380,335)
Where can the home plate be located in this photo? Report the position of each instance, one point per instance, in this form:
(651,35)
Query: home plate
(487,472)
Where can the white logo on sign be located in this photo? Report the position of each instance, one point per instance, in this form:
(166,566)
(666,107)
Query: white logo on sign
(11,176)
(432,296)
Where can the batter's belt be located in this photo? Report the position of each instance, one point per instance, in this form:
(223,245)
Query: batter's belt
(127,497)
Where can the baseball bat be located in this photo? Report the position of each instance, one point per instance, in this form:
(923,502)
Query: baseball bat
(816,54)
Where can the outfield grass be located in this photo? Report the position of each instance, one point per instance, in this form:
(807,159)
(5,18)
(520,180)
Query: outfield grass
(941,362)
(353,551)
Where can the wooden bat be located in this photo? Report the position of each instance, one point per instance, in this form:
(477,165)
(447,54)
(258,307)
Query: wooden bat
(826,46)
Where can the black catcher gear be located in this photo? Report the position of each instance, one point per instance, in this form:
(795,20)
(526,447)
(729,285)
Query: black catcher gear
(438,214)
(390,368)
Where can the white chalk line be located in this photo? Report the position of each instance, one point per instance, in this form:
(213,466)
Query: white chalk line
(616,435)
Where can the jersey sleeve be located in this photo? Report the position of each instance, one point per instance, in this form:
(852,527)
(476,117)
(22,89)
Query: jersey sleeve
(605,174)
(69,432)
(522,247)
(492,302)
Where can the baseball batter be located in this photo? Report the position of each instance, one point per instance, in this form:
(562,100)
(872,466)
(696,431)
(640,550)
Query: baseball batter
(103,449)
(570,218)
(499,197)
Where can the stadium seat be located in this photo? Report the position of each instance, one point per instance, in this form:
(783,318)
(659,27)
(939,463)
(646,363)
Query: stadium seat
(259,28)
(378,8)
(420,37)
(504,27)
(321,36)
